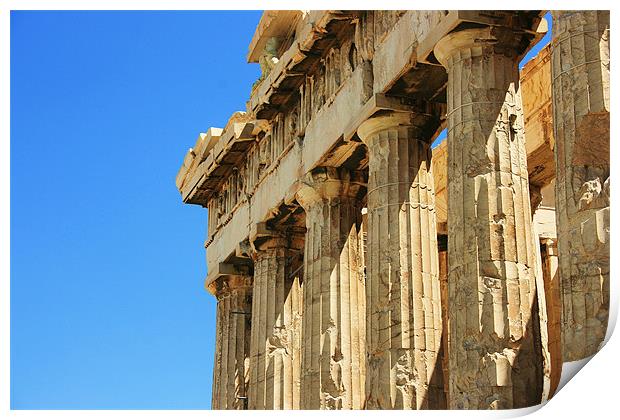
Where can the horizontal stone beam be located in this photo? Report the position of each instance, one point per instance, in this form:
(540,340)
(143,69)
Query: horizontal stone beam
(219,270)
(454,18)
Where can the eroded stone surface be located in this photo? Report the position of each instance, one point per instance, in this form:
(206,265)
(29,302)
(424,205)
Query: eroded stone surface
(334,325)
(438,284)
(580,71)
(403,291)
(494,351)
(276,329)
(232,352)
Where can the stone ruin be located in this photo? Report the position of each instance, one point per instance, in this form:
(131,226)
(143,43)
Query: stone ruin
(357,267)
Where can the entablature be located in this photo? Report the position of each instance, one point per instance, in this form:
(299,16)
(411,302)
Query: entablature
(274,33)
(530,24)
(538,116)
(215,158)
(196,155)
(326,48)
(333,70)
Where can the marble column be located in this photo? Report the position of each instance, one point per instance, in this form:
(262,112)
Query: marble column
(580,74)
(232,343)
(553,306)
(442,242)
(276,327)
(495,353)
(403,297)
(333,332)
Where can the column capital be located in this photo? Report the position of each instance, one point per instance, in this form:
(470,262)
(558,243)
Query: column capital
(499,39)
(266,239)
(391,120)
(224,285)
(223,273)
(329,183)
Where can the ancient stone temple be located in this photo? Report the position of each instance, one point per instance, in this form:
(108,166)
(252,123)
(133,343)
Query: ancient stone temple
(360,263)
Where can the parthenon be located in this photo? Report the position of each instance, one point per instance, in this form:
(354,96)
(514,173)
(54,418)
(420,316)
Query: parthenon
(360,263)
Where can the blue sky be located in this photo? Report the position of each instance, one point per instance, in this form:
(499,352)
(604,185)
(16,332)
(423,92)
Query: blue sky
(108,308)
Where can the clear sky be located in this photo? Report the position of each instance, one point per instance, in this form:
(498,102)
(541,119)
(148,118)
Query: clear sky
(108,308)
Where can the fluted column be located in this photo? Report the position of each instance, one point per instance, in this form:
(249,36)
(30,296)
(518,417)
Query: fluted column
(403,297)
(580,72)
(495,355)
(276,328)
(442,242)
(333,369)
(232,343)
(553,306)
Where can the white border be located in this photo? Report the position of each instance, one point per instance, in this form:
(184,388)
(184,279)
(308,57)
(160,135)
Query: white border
(592,395)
